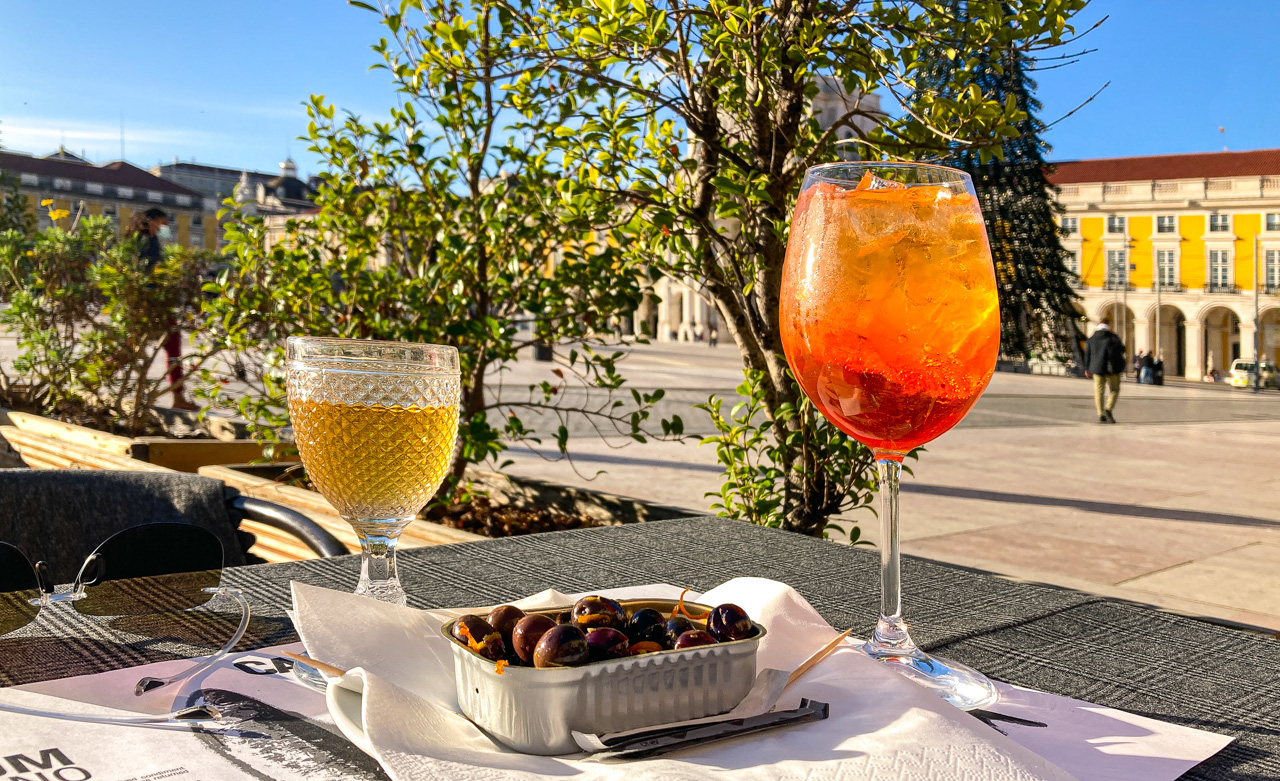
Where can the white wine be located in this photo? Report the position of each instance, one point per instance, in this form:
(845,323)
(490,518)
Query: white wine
(371,461)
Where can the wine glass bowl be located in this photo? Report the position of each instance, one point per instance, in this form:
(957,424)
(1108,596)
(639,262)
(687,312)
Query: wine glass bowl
(375,424)
(890,322)
(889,313)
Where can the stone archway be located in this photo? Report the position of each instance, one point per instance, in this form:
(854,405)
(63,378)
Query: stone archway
(1122,323)
(1221,335)
(1168,337)
(1269,320)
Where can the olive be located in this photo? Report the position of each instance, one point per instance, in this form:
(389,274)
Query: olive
(504,619)
(593,611)
(562,645)
(675,626)
(484,639)
(646,624)
(529,630)
(564,617)
(729,622)
(694,638)
(607,643)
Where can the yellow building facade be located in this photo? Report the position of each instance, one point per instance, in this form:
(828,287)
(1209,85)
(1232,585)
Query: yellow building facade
(1182,252)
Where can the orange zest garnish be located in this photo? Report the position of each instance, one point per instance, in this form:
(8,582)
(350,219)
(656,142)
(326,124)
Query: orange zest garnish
(644,647)
(471,641)
(680,609)
(500,667)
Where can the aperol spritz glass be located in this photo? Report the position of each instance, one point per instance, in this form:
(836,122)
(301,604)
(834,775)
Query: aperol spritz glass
(891,324)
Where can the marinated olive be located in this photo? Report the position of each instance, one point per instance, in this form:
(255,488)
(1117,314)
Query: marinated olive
(694,638)
(645,647)
(528,631)
(564,617)
(646,624)
(595,611)
(478,635)
(562,645)
(675,626)
(607,643)
(729,622)
(504,619)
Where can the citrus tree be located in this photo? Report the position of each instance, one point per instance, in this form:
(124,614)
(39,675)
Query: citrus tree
(689,123)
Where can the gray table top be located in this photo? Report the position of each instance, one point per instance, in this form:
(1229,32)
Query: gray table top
(1057,640)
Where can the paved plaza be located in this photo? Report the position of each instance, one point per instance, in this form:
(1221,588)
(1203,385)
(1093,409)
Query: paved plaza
(1174,506)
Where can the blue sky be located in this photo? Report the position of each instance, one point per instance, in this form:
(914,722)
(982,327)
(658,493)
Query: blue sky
(223,82)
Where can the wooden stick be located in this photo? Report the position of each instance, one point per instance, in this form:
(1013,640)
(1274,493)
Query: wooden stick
(821,654)
(327,669)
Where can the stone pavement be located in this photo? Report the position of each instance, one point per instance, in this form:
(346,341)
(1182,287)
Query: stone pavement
(1175,506)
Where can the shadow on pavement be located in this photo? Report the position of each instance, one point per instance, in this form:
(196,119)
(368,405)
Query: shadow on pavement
(1106,508)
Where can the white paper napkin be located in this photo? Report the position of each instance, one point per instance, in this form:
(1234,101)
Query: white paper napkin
(398,704)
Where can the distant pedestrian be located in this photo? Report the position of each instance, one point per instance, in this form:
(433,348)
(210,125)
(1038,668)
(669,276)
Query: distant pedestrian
(714,338)
(150,227)
(1137,366)
(1157,370)
(1147,369)
(1104,361)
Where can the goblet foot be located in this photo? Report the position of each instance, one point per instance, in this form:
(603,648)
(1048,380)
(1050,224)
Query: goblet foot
(962,686)
(382,590)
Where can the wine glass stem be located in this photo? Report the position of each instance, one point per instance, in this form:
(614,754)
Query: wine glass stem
(378,578)
(891,632)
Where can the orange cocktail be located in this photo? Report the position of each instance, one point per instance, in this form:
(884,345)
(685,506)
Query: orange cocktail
(890,322)
(889,313)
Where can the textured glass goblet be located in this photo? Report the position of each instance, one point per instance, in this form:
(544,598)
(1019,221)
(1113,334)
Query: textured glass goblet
(375,424)
(891,325)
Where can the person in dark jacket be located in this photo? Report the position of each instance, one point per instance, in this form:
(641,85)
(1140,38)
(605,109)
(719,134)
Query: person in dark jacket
(1104,361)
(149,228)
(1146,370)
(1157,370)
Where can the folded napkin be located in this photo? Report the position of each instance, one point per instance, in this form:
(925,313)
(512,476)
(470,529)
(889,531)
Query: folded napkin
(398,703)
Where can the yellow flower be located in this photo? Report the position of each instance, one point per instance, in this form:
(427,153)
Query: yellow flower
(58,214)
(47,202)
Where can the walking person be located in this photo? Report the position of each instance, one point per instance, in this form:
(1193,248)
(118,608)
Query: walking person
(1157,370)
(150,227)
(1104,361)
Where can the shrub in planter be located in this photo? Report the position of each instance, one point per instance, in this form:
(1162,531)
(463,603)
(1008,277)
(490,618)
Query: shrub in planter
(91,322)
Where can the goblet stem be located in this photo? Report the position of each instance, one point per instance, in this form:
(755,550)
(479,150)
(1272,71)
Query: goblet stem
(891,632)
(891,643)
(378,578)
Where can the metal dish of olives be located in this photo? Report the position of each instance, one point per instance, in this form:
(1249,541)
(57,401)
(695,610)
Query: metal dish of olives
(599,666)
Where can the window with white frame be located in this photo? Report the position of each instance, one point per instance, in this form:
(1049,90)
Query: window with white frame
(1272,270)
(1167,267)
(61,183)
(1166,223)
(125,193)
(1072,262)
(1115,224)
(1070,225)
(1117,268)
(93,188)
(1219,223)
(1219,268)
(30,180)
(109,211)
(1273,222)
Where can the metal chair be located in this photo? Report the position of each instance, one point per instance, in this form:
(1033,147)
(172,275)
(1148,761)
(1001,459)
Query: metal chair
(60,515)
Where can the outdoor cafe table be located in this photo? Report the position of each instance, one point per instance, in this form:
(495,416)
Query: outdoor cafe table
(1057,640)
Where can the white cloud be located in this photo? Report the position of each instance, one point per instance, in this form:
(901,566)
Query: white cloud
(39,135)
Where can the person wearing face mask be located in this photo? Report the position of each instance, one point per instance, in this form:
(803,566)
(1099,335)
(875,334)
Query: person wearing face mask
(151,228)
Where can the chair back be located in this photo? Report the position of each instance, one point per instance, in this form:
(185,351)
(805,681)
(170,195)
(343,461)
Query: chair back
(62,515)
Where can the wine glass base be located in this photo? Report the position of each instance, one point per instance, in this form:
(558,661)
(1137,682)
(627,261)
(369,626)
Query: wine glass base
(388,591)
(962,686)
